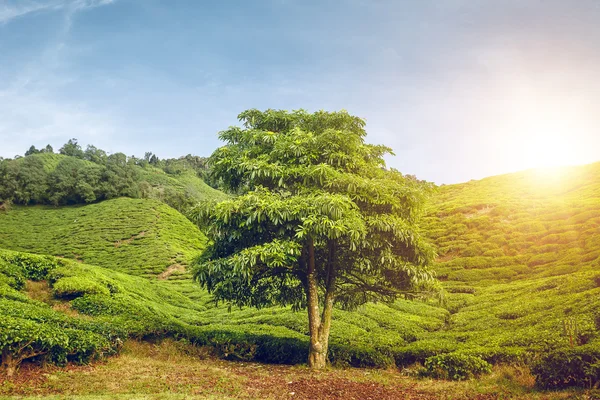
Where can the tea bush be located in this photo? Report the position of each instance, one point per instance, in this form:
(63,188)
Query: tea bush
(75,286)
(579,366)
(455,366)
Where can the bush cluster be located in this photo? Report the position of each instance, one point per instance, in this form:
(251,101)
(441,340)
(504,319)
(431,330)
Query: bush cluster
(579,366)
(455,366)
(30,330)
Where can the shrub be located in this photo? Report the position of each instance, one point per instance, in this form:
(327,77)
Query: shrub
(494,253)
(34,267)
(23,339)
(274,345)
(71,287)
(422,349)
(579,366)
(461,289)
(101,304)
(499,355)
(541,259)
(12,275)
(511,314)
(455,366)
(360,356)
(591,256)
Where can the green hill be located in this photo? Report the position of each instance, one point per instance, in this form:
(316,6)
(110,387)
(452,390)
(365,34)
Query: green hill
(93,176)
(137,236)
(518,259)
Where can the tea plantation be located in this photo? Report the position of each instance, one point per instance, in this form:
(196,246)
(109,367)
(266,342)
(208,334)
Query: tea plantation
(137,236)
(518,260)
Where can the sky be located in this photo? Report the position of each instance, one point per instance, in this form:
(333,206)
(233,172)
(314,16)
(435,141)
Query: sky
(460,89)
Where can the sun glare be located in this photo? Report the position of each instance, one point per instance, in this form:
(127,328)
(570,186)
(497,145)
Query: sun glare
(550,141)
(549,149)
(549,131)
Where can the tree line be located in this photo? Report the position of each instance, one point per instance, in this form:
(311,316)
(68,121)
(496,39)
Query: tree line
(87,176)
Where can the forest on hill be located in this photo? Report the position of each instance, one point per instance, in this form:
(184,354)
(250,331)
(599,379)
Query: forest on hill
(77,176)
(96,250)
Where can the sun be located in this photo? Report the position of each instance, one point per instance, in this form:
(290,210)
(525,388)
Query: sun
(549,150)
(546,130)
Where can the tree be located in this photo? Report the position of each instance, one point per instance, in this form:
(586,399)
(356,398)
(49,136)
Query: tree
(95,155)
(72,148)
(32,150)
(318,220)
(74,181)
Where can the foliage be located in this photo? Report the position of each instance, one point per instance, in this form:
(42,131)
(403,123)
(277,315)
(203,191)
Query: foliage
(71,287)
(455,366)
(565,367)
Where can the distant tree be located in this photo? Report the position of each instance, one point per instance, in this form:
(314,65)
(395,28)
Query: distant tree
(31,181)
(95,155)
(119,178)
(318,220)
(23,181)
(74,181)
(72,148)
(32,150)
(48,149)
(9,173)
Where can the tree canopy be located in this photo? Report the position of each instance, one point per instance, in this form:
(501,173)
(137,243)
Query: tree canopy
(317,220)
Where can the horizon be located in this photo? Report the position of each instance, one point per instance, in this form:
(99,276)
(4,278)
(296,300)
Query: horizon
(459,91)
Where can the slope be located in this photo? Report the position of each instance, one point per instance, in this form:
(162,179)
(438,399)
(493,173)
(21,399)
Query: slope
(519,256)
(137,236)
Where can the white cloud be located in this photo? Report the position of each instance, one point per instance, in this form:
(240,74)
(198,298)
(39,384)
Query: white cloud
(11,10)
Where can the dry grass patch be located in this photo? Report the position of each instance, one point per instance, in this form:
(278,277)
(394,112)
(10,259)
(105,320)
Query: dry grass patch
(39,290)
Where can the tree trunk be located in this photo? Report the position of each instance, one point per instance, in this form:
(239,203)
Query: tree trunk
(319,325)
(316,358)
(9,363)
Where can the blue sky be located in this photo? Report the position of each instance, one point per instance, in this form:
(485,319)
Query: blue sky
(460,89)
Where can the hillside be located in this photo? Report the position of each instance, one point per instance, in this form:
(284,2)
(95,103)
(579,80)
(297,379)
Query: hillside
(143,237)
(519,256)
(137,236)
(518,259)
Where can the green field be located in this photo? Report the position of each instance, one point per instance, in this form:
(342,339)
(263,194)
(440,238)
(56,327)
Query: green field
(519,260)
